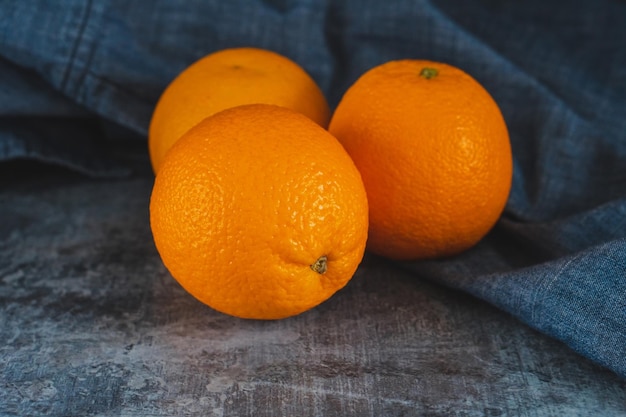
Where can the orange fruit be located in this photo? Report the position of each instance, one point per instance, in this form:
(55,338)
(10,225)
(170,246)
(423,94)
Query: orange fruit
(434,153)
(229,78)
(259,212)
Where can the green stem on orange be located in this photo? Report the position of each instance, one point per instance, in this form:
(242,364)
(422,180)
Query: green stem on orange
(429,73)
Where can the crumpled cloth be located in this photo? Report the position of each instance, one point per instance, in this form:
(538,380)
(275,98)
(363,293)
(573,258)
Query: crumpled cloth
(77,74)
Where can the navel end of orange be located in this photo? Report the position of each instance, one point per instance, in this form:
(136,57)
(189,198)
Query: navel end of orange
(320,265)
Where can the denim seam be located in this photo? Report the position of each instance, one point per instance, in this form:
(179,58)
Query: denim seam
(79,39)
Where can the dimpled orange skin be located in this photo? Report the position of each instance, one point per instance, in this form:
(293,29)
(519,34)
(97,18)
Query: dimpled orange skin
(228,78)
(248,201)
(434,153)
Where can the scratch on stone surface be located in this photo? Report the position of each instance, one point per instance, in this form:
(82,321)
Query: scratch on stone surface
(41,390)
(324,392)
(175,340)
(13,277)
(220,383)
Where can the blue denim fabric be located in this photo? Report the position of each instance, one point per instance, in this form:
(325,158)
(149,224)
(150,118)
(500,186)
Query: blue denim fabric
(557,258)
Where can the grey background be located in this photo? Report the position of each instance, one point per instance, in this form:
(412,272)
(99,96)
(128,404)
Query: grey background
(92,324)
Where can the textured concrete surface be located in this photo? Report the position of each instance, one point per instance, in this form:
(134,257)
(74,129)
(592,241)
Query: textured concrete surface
(92,324)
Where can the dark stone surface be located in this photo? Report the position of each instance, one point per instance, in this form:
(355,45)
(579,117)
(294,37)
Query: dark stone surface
(93,325)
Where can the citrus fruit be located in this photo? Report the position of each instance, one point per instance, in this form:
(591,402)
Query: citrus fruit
(228,78)
(434,153)
(259,212)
